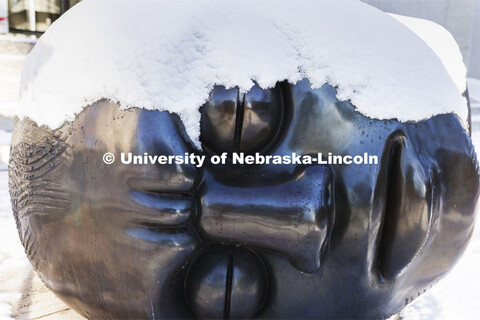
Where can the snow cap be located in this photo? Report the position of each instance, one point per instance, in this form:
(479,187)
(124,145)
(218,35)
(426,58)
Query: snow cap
(168,55)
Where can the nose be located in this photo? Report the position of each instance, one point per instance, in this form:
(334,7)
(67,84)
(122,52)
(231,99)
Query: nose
(291,215)
(293,218)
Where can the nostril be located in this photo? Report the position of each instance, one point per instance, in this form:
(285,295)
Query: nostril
(234,122)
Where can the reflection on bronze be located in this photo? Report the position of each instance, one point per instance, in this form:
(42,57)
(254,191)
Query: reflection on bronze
(226,283)
(236,241)
(241,122)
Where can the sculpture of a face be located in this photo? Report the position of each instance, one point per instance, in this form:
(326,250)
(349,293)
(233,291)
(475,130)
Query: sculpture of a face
(244,241)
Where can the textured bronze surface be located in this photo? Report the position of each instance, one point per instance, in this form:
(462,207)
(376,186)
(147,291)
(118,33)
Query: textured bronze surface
(176,241)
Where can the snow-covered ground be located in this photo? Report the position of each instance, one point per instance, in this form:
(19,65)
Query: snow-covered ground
(14,265)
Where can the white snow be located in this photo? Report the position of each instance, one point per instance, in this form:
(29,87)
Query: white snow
(14,265)
(13,51)
(441,41)
(168,55)
(474,90)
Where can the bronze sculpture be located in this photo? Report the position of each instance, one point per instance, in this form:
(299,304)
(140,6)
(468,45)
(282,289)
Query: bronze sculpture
(261,241)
